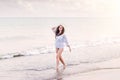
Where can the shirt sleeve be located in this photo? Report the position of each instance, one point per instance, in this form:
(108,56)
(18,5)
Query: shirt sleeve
(66,40)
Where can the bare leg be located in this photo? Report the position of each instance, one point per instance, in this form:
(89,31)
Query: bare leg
(62,61)
(60,57)
(57,59)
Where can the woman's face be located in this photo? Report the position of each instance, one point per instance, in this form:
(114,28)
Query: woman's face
(60,28)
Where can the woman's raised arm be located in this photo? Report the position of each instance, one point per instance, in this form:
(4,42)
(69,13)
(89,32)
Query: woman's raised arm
(54,29)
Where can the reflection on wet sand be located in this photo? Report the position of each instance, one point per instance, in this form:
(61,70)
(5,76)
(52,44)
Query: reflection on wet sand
(59,74)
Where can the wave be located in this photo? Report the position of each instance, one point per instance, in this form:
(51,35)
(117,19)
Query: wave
(81,46)
(80,60)
(30,52)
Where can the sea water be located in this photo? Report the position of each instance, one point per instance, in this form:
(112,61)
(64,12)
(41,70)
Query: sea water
(91,39)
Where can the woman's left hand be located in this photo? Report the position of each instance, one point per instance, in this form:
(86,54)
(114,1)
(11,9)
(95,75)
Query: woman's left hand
(69,48)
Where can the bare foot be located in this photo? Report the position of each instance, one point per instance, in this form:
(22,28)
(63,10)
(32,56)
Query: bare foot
(57,69)
(64,66)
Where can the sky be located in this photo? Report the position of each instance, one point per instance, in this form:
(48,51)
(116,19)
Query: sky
(59,8)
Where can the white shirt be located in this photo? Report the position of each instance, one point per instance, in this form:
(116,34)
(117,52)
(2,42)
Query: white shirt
(61,41)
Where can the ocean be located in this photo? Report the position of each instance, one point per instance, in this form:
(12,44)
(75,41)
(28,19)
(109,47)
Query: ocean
(92,39)
(23,35)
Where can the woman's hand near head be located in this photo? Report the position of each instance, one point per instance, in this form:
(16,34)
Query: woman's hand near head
(69,47)
(54,29)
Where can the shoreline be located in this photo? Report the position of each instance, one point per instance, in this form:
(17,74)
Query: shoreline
(107,70)
(29,67)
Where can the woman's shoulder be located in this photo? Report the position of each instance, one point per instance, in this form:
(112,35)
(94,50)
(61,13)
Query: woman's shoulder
(64,35)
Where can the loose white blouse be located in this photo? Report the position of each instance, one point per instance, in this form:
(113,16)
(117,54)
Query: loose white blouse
(61,40)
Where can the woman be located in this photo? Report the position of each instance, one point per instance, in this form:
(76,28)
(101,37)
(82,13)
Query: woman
(59,44)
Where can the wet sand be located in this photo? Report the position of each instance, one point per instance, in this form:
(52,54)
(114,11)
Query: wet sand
(108,70)
(28,68)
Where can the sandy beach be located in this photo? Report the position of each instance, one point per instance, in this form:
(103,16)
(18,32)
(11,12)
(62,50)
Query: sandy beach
(29,68)
(87,61)
(108,70)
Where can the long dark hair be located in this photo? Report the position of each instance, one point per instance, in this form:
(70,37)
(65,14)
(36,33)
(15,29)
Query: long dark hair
(57,31)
